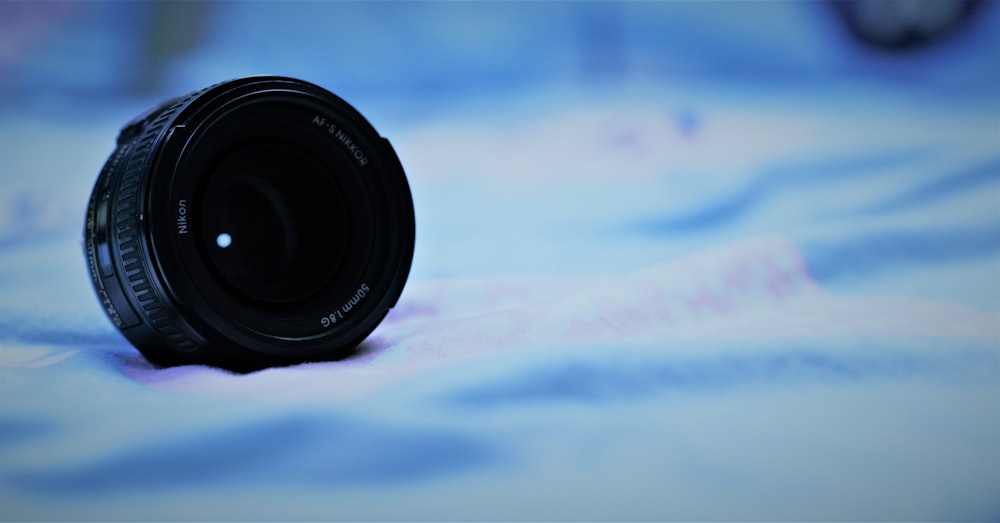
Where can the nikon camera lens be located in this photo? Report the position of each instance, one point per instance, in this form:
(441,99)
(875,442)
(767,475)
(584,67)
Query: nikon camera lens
(254,223)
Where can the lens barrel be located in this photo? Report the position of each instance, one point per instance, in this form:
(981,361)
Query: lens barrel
(257,222)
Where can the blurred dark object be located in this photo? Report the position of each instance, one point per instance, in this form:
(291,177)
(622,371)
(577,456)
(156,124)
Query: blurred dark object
(56,54)
(51,49)
(174,29)
(24,26)
(903,25)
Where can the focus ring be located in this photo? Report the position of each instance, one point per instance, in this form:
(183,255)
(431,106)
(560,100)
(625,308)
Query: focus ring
(132,257)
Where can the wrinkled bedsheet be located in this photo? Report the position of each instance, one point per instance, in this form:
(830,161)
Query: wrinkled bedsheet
(631,303)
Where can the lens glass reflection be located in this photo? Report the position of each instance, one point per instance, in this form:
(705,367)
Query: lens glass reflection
(268,226)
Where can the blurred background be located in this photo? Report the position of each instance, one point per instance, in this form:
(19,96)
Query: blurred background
(684,123)
(73,52)
(563,156)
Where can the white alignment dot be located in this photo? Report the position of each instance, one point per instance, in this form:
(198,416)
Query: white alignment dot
(224,240)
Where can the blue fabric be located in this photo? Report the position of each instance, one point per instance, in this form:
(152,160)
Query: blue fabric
(674,261)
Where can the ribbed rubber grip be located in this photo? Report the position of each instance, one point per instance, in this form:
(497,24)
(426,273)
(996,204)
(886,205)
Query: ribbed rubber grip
(127,220)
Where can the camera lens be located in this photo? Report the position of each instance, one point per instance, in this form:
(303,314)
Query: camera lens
(261,229)
(257,222)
